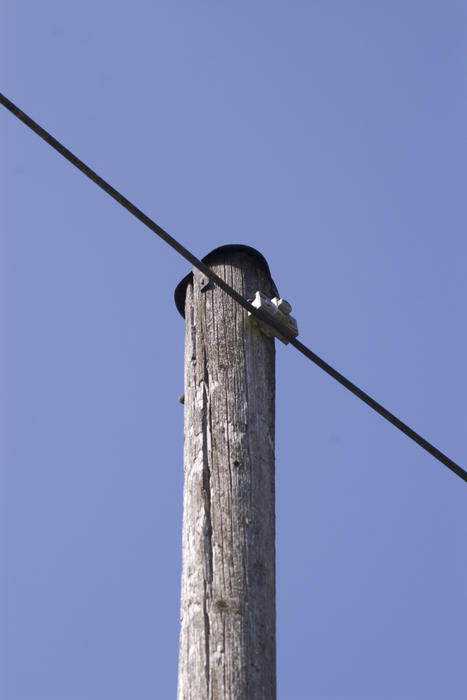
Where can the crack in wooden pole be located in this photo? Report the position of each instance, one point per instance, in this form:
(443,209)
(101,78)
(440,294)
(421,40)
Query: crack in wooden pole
(227,636)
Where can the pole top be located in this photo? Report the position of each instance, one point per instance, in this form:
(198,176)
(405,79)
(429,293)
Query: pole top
(180,290)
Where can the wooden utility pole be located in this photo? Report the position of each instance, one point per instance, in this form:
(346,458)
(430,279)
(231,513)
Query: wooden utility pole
(227,638)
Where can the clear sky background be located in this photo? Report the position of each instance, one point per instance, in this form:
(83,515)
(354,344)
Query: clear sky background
(332,136)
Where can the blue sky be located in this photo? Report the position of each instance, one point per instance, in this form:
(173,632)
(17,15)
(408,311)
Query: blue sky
(331,136)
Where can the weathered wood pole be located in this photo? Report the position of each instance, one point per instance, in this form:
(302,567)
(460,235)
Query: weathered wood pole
(227,638)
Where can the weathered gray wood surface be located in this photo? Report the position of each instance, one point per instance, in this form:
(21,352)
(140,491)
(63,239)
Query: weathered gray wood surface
(227,639)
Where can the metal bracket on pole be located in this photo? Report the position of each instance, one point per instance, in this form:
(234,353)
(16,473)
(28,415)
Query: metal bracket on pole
(279,309)
(203,281)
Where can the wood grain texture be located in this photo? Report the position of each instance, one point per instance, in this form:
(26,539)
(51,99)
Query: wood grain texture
(227,638)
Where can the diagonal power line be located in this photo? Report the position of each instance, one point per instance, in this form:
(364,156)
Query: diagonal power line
(257,313)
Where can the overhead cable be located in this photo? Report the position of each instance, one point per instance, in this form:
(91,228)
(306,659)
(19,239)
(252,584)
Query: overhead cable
(257,313)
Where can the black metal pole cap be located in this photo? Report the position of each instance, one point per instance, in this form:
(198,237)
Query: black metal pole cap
(180,290)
